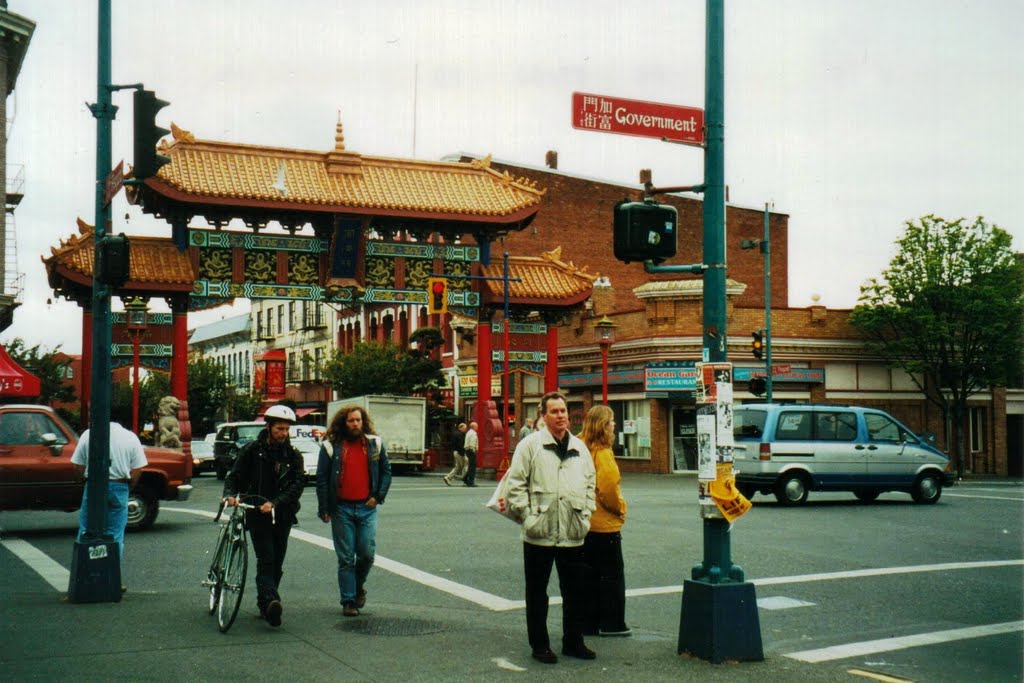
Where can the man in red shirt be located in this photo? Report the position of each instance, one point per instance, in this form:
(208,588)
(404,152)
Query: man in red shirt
(352,478)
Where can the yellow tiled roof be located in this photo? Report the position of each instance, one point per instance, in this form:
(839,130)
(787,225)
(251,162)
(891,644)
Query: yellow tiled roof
(544,279)
(340,180)
(154,261)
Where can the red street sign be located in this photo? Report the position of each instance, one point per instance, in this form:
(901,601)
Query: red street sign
(781,369)
(114,183)
(636,117)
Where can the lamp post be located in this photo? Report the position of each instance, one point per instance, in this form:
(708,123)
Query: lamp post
(604,330)
(136,312)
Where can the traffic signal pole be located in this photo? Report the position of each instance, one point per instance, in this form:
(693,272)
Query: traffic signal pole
(718,620)
(766,249)
(95,564)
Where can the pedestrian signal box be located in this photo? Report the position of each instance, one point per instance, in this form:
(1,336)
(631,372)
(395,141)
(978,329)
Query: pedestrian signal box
(644,231)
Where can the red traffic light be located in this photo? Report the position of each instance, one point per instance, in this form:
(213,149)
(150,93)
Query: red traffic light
(437,295)
(438,287)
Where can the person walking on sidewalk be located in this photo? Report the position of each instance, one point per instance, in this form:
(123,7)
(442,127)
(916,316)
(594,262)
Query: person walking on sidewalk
(551,493)
(353,476)
(471,447)
(605,586)
(271,469)
(458,454)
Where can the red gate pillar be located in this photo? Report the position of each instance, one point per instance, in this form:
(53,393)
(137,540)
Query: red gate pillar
(483,392)
(551,369)
(179,353)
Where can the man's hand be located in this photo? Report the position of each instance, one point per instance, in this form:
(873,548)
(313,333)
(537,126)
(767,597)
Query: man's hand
(232,501)
(372,502)
(267,508)
(325,517)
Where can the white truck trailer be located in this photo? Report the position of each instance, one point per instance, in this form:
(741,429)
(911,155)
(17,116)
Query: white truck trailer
(401,421)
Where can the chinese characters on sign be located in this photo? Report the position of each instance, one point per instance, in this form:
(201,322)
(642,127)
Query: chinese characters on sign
(637,117)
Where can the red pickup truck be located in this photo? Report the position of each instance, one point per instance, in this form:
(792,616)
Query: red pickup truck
(36,471)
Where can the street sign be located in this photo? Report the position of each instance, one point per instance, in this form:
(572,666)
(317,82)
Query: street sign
(781,369)
(114,183)
(636,117)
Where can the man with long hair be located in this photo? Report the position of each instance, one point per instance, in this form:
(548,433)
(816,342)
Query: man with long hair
(605,612)
(551,493)
(353,476)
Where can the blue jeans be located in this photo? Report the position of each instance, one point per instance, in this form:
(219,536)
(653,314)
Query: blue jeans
(117,514)
(354,527)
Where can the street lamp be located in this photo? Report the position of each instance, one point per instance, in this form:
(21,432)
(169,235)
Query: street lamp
(136,312)
(604,330)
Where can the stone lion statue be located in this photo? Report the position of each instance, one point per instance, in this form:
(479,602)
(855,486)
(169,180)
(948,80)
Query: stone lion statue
(168,429)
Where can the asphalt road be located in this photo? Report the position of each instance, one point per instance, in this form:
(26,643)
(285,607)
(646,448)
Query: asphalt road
(847,591)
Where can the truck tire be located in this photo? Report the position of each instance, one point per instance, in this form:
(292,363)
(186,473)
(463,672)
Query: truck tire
(143,506)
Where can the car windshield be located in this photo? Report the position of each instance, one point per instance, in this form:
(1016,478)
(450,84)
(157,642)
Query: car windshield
(748,423)
(249,432)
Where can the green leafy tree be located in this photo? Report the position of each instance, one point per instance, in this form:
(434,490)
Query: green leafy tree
(947,310)
(372,368)
(244,405)
(45,365)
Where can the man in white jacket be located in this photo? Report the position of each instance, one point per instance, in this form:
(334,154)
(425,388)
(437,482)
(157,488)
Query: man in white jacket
(551,492)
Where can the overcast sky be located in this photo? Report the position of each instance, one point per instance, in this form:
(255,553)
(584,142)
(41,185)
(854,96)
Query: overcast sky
(852,117)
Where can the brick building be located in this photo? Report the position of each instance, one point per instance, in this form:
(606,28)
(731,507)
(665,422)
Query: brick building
(658,325)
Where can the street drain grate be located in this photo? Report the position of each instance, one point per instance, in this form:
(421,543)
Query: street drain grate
(391,626)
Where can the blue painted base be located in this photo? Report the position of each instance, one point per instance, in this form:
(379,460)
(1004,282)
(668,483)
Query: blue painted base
(95,572)
(719,622)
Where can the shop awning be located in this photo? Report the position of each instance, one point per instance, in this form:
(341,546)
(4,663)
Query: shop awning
(303,412)
(15,380)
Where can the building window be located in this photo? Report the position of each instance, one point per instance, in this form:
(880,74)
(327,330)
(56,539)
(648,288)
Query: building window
(977,429)
(259,325)
(291,315)
(293,367)
(318,359)
(280,318)
(632,429)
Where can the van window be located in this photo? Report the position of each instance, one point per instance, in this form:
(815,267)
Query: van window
(836,426)
(748,423)
(882,428)
(794,425)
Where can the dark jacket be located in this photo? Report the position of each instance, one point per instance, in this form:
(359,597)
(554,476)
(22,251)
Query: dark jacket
(459,441)
(329,467)
(276,473)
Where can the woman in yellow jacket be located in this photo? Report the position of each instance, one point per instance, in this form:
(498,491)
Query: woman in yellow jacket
(605,586)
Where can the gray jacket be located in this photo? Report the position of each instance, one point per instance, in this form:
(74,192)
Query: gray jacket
(552,497)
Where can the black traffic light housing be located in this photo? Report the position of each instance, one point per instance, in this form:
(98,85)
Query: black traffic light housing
(757,345)
(114,262)
(758,386)
(147,134)
(644,231)
(437,295)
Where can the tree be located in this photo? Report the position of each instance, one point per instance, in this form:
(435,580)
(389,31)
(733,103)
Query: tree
(372,368)
(45,365)
(947,310)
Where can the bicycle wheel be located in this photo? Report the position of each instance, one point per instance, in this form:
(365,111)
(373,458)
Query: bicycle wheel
(215,575)
(235,566)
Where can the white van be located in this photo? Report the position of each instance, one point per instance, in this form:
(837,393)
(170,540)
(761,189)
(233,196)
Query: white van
(790,450)
(306,438)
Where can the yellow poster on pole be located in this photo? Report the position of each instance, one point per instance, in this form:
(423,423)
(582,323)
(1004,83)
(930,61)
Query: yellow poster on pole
(729,501)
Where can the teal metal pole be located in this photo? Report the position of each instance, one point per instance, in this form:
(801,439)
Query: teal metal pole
(95,575)
(718,620)
(766,249)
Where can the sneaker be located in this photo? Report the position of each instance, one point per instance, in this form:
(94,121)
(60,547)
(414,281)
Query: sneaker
(361,598)
(580,651)
(350,610)
(546,656)
(620,632)
(446,481)
(274,610)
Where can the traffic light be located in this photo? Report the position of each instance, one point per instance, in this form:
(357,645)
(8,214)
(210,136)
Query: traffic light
(757,345)
(114,262)
(437,295)
(644,231)
(757,386)
(147,134)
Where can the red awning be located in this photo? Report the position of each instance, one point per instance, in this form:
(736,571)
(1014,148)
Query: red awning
(16,380)
(303,412)
(272,354)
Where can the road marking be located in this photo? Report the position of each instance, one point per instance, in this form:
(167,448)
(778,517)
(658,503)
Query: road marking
(54,574)
(964,495)
(503,663)
(782,602)
(499,604)
(850,574)
(878,676)
(869,647)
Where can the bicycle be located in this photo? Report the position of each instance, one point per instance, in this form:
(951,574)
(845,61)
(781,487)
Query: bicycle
(226,576)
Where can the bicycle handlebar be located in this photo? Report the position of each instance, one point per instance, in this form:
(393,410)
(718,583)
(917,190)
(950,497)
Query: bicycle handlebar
(245,506)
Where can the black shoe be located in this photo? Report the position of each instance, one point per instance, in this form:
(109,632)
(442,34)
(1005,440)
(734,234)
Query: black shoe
(361,598)
(620,632)
(546,656)
(581,651)
(468,484)
(274,610)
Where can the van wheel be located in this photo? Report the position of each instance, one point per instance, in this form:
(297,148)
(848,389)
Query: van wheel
(927,489)
(791,489)
(866,495)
